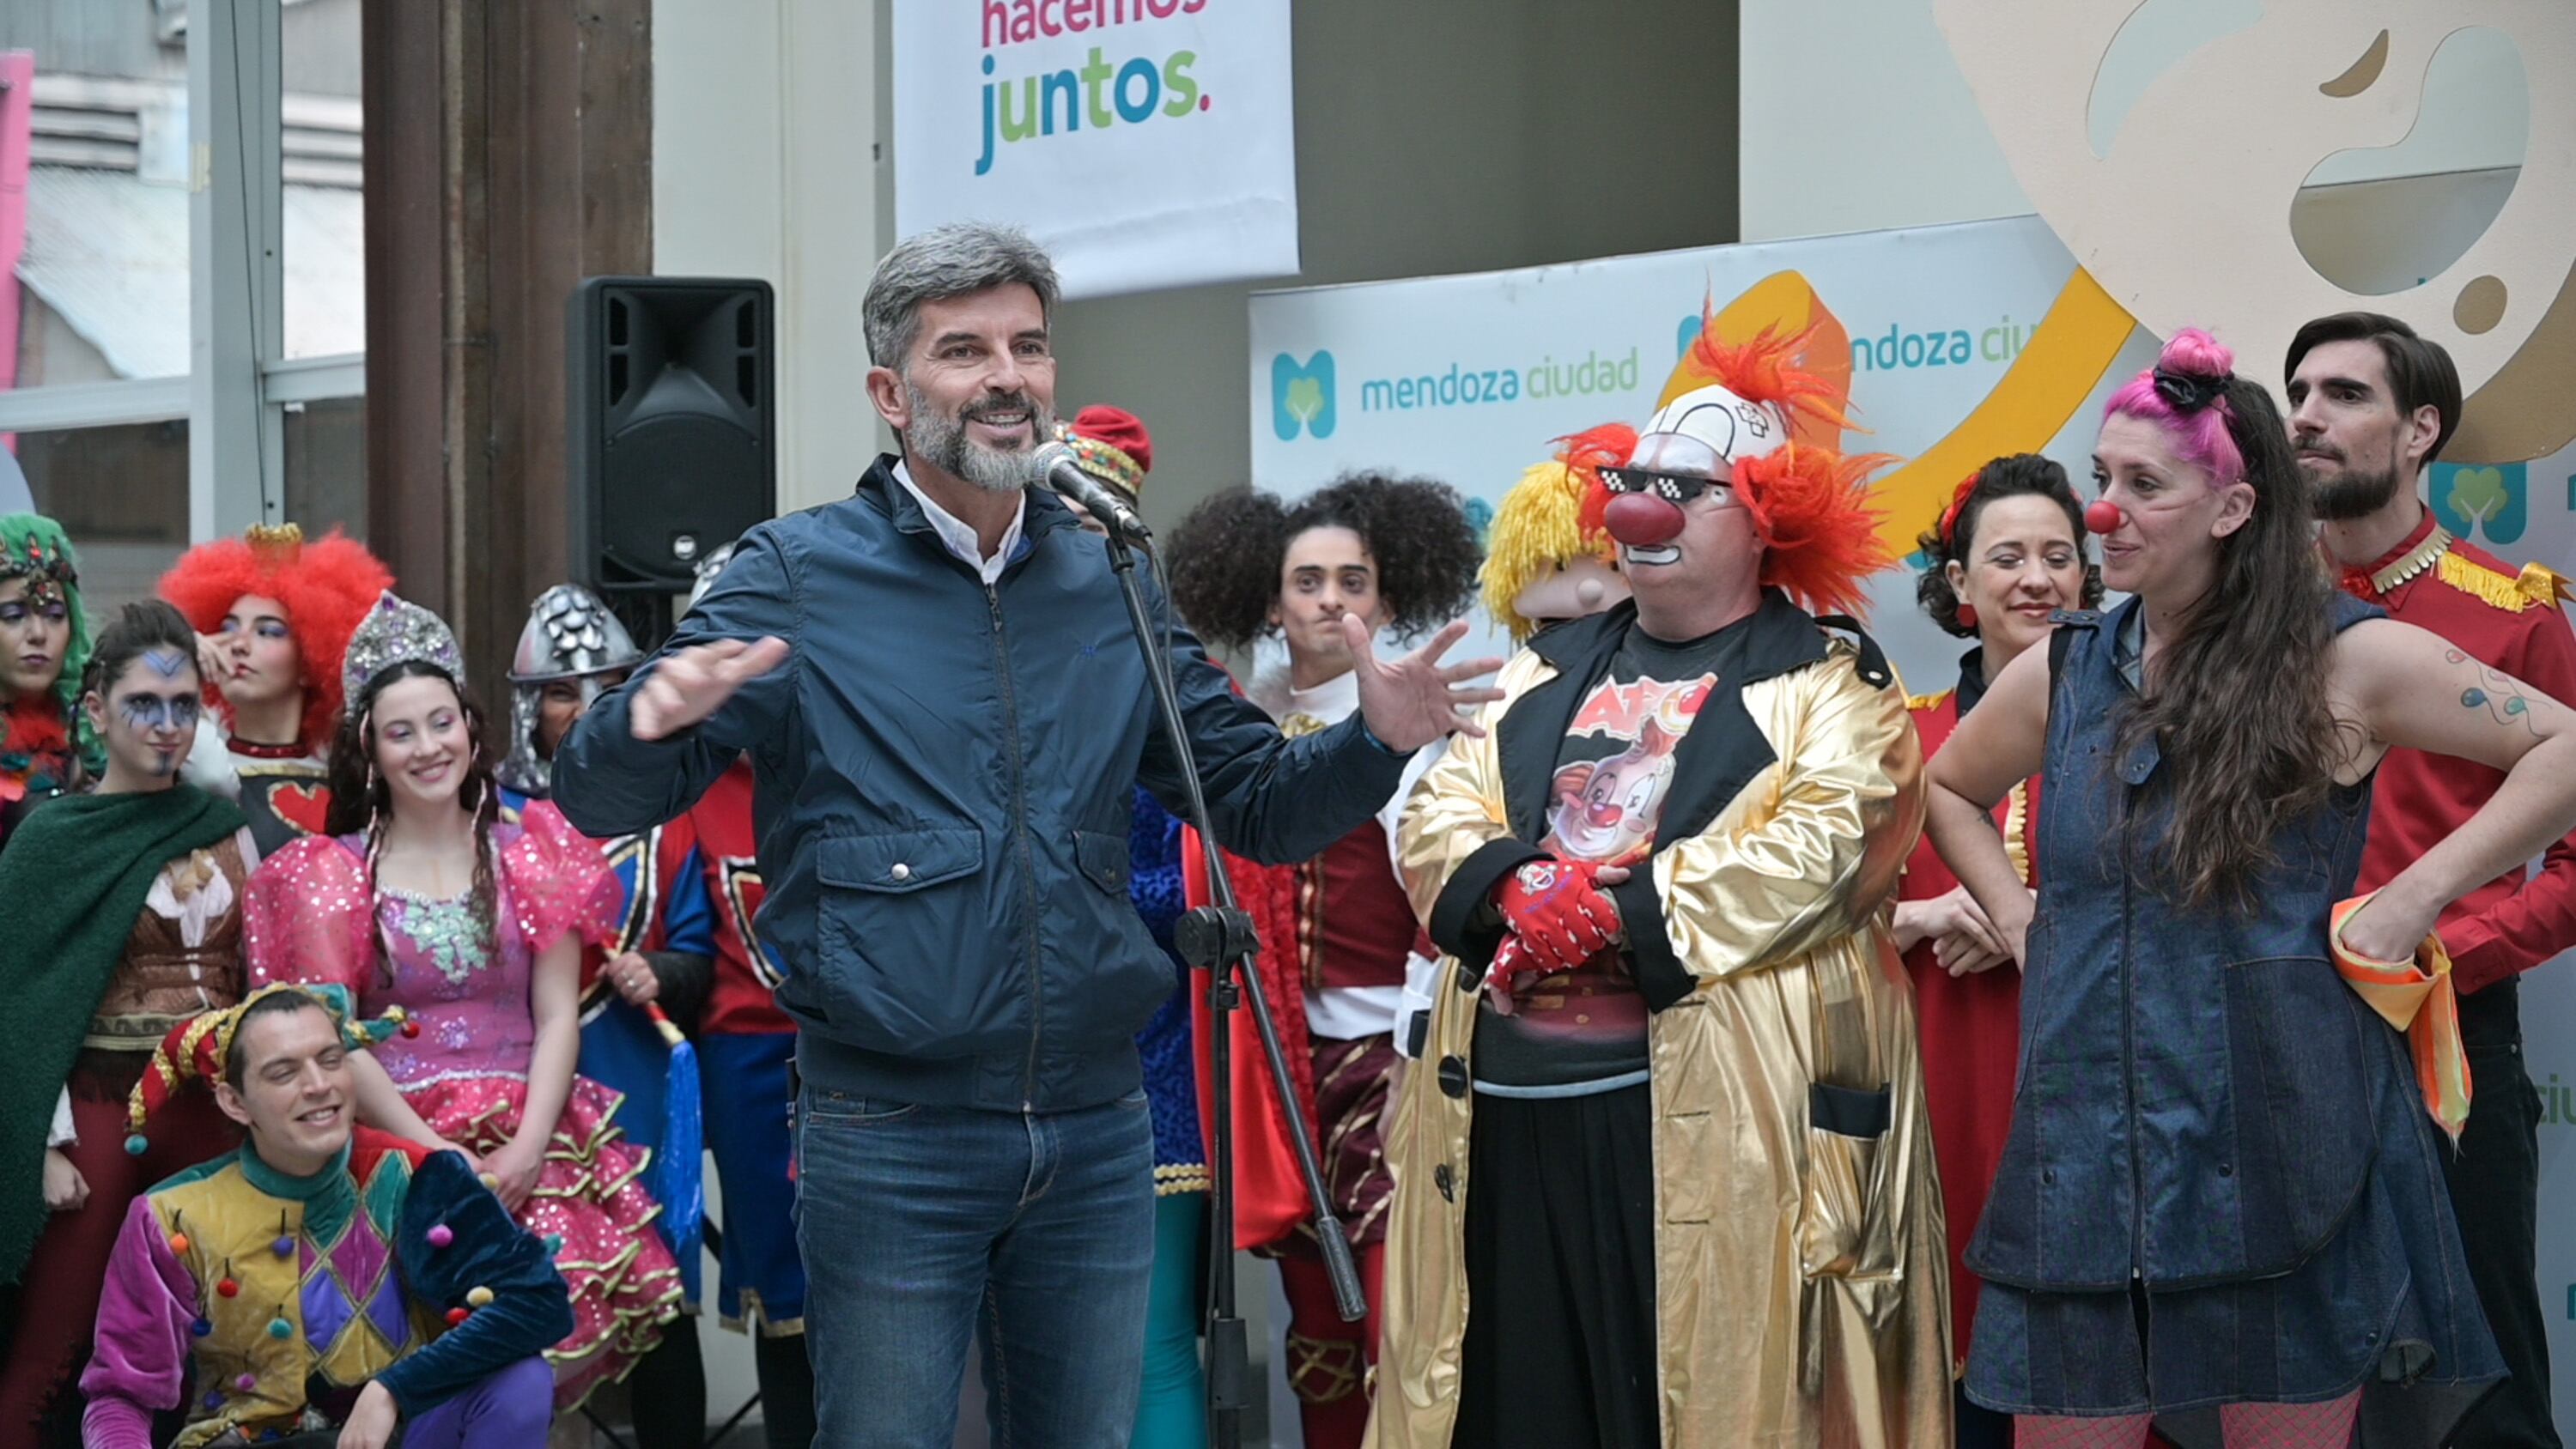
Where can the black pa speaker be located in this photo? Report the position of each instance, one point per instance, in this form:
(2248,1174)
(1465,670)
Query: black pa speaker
(673,413)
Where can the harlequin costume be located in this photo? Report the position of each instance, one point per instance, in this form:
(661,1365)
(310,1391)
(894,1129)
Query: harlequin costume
(2512,620)
(316,914)
(326,586)
(281,1297)
(1689,1182)
(119,914)
(41,751)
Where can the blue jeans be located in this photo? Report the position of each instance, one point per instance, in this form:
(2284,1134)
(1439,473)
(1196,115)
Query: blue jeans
(921,1226)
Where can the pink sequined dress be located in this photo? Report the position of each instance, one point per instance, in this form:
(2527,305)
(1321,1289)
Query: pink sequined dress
(466,1070)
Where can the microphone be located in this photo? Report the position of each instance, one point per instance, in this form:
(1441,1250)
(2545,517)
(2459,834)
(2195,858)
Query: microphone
(1054,465)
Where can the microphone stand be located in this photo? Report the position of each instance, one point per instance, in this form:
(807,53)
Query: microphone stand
(1219,939)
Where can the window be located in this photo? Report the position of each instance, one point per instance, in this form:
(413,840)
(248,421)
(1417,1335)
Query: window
(121,492)
(182,290)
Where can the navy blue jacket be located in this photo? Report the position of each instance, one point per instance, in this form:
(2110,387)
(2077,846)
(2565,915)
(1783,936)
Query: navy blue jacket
(944,784)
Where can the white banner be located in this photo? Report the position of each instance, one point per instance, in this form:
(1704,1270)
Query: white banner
(1966,342)
(1468,378)
(1146,143)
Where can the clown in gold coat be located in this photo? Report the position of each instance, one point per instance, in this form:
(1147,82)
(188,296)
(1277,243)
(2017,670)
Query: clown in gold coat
(1799,1280)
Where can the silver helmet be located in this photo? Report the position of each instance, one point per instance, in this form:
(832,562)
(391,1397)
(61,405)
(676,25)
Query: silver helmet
(707,567)
(571,635)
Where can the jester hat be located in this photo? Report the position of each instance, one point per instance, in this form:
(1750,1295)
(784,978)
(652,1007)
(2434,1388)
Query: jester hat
(1775,427)
(194,1050)
(1112,445)
(327,586)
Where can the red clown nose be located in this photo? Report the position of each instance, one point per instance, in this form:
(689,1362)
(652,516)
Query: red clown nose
(2103,516)
(1642,520)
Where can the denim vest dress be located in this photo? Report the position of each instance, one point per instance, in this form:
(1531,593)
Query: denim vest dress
(2220,1183)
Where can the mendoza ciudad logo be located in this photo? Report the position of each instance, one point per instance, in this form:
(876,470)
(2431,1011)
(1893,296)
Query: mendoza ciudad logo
(1301,395)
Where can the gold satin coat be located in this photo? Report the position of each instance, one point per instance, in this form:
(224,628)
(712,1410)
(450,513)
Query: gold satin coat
(1801,1281)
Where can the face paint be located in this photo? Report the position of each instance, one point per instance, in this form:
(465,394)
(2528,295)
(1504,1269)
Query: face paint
(156,727)
(158,712)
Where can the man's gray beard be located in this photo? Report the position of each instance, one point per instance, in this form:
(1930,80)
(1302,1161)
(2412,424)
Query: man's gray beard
(940,440)
(2351,494)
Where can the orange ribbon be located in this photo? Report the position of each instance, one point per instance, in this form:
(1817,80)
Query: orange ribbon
(2417,998)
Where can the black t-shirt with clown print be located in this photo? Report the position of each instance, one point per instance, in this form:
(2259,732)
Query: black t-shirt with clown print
(1584,1031)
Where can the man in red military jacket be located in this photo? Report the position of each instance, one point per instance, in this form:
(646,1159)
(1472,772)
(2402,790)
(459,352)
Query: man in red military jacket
(2371,405)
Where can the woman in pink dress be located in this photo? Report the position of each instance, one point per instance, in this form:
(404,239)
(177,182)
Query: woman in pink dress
(416,898)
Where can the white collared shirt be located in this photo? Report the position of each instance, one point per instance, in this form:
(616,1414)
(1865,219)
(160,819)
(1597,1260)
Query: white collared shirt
(960,536)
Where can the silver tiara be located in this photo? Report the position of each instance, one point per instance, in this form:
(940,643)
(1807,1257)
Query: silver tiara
(397,631)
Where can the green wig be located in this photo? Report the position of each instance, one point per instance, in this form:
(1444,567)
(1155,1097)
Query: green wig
(34,546)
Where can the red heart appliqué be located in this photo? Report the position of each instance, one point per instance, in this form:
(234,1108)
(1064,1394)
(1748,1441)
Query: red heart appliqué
(301,805)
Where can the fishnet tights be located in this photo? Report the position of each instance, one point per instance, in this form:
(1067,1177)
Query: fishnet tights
(2246,1426)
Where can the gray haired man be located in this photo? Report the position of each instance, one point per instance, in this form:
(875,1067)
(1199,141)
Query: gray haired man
(936,685)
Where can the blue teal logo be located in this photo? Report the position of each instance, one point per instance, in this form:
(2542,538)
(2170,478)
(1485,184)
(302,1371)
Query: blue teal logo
(2489,502)
(1301,396)
(1480,517)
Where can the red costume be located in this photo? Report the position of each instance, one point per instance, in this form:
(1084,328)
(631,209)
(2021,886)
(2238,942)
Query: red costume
(1970,1026)
(1353,933)
(2509,620)
(739,1002)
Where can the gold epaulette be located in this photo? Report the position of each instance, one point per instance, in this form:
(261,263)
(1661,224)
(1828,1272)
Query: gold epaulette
(2543,585)
(1917,703)
(2509,592)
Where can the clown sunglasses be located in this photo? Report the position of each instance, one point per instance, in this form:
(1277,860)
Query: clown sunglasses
(1671,487)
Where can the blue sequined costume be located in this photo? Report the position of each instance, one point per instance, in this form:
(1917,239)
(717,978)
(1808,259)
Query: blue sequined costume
(1171,1075)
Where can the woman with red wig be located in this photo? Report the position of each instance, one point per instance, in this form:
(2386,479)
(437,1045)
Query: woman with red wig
(273,615)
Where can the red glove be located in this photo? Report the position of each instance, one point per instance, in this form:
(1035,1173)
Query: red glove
(1511,970)
(1561,918)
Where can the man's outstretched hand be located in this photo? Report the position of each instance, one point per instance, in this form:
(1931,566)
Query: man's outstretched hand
(1410,702)
(695,683)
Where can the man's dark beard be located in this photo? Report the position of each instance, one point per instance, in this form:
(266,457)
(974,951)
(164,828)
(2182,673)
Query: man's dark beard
(2351,494)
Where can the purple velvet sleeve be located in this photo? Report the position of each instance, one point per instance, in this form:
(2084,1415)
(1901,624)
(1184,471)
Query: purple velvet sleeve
(144,1310)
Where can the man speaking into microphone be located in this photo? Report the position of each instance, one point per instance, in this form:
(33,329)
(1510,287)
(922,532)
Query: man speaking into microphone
(945,710)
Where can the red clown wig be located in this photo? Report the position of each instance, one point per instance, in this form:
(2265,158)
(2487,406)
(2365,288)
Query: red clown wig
(327,587)
(1809,499)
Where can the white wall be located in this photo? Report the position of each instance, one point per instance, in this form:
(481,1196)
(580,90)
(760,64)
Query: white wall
(1855,117)
(764,128)
(764,113)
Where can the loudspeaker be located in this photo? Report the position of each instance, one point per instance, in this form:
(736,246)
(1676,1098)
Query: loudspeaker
(673,418)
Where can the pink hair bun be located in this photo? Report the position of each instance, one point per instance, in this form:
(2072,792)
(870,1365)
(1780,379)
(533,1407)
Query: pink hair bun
(2195,353)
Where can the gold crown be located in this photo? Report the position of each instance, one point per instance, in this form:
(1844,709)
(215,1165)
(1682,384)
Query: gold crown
(276,546)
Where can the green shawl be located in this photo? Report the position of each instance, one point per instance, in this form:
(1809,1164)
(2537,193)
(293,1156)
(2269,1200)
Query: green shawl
(72,881)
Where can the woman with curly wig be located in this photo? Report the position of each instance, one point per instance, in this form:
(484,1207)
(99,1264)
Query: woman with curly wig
(2219,1208)
(2005,555)
(273,615)
(44,646)
(417,898)
(1398,555)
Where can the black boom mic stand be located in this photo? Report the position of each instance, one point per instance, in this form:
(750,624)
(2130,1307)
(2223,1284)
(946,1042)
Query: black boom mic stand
(1219,940)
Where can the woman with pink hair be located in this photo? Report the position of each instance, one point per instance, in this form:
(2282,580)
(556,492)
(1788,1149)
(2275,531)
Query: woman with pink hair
(2219,1209)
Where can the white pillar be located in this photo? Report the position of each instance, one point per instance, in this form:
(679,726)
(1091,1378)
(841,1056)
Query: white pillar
(236,313)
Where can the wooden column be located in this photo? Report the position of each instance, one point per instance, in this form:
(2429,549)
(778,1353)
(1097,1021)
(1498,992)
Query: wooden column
(509,154)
